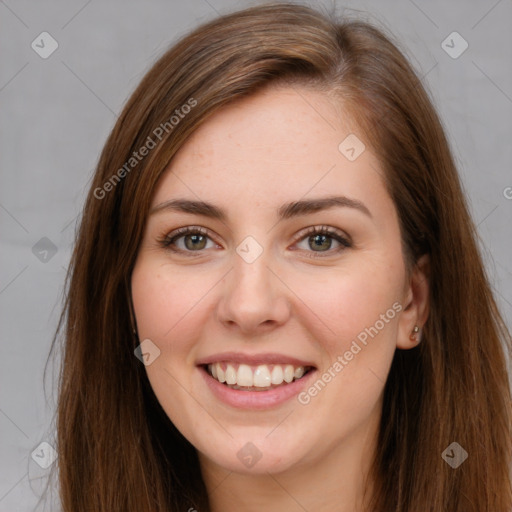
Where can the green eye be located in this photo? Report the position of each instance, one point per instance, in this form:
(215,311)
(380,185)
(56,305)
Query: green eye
(188,239)
(318,240)
(321,239)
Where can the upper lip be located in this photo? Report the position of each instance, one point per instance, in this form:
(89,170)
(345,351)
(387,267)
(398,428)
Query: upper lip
(253,359)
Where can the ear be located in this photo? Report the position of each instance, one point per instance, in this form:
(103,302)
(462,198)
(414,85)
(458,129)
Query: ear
(416,305)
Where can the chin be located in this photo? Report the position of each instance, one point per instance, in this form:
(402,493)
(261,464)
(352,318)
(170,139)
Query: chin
(252,455)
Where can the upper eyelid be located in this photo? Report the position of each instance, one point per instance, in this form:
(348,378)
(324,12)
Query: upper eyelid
(317,228)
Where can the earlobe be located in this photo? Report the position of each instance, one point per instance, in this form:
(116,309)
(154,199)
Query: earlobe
(415,334)
(416,307)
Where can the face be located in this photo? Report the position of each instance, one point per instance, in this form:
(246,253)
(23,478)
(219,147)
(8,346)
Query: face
(272,255)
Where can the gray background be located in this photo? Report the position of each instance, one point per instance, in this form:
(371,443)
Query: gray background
(57,112)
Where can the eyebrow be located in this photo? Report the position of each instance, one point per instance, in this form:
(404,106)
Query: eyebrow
(286,211)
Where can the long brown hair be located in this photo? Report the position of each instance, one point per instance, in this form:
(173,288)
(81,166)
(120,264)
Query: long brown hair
(117,448)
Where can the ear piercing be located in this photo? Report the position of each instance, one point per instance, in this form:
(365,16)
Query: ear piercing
(415,334)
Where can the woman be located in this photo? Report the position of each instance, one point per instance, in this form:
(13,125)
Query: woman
(276,301)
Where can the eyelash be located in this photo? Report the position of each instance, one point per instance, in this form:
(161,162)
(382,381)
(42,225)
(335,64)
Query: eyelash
(169,240)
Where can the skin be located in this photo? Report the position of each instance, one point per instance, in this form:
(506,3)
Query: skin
(277,146)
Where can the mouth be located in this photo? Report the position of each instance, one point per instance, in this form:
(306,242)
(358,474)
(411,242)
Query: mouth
(249,377)
(261,381)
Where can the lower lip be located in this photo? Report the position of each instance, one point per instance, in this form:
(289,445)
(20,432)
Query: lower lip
(256,399)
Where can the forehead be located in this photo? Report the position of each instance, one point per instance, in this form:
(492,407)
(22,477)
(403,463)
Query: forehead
(277,145)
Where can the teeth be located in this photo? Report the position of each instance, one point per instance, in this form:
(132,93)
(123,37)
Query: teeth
(299,372)
(262,376)
(244,375)
(230,375)
(277,375)
(288,373)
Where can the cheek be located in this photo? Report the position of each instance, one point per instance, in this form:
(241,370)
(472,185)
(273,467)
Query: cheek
(166,300)
(170,312)
(359,314)
(360,303)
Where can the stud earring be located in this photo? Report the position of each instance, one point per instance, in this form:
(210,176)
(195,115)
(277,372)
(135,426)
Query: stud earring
(415,335)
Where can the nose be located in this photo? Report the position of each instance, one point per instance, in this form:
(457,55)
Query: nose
(254,299)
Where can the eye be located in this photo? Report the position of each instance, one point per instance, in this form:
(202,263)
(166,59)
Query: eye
(320,239)
(187,239)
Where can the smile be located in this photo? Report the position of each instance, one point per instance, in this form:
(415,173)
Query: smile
(261,377)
